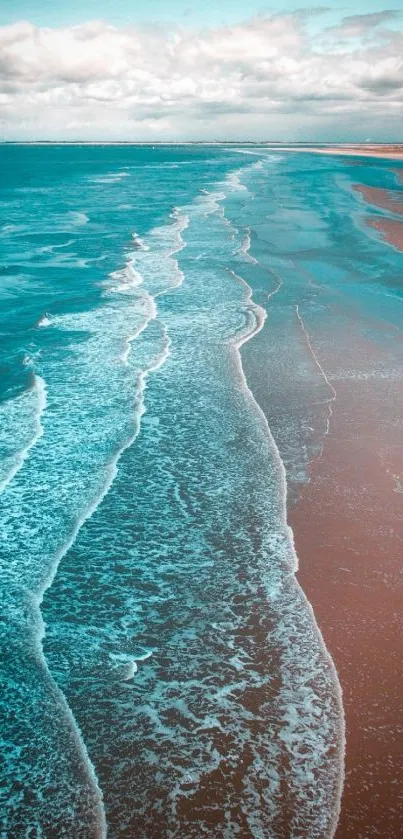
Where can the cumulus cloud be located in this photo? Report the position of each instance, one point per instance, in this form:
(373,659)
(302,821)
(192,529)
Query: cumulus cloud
(263,78)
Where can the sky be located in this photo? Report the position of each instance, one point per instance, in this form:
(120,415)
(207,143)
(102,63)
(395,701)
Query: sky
(203,12)
(181,70)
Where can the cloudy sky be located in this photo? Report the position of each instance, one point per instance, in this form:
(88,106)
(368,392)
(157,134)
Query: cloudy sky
(177,69)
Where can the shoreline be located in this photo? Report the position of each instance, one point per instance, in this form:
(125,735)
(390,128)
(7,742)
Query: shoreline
(391,230)
(387,199)
(386,152)
(339,745)
(346,527)
(339,731)
(390,227)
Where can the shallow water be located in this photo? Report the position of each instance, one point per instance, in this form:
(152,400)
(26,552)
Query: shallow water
(163,672)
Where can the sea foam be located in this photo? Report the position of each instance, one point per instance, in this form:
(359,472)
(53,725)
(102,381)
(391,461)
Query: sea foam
(20,428)
(240,688)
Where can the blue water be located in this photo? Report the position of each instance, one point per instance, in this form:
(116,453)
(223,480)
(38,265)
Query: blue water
(163,674)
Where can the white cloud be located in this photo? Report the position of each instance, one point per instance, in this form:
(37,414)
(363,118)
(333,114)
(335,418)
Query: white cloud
(356,26)
(262,78)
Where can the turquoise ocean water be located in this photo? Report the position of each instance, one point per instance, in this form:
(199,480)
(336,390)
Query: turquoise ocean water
(162,672)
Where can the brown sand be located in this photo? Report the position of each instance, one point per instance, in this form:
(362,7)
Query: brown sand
(387,199)
(390,229)
(388,152)
(348,530)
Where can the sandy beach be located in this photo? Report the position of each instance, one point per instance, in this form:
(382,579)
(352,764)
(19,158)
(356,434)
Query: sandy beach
(350,557)
(348,529)
(391,200)
(391,230)
(386,199)
(386,151)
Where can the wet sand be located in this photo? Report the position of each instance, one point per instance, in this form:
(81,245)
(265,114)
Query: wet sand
(351,557)
(391,200)
(391,230)
(386,199)
(385,151)
(348,529)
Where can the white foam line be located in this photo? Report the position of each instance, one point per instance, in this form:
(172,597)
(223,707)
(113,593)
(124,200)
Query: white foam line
(237,344)
(152,316)
(245,247)
(112,467)
(279,283)
(215,200)
(234,180)
(259,313)
(90,510)
(40,387)
(180,224)
(51,248)
(264,154)
(138,242)
(320,368)
(248,151)
(212,200)
(101,827)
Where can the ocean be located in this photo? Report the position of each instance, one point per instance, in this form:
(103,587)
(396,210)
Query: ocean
(161,400)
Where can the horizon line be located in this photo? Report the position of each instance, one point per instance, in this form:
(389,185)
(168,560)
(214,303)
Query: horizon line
(96,142)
